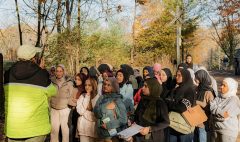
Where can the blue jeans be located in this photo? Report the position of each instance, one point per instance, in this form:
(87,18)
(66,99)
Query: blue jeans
(181,138)
(202,135)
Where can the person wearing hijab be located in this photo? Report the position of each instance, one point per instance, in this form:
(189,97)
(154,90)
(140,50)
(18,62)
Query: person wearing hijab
(179,100)
(94,73)
(110,111)
(166,79)
(182,66)
(204,95)
(126,90)
(225,108)
(59,105)
(151,113)
(214,82)
(147,73)
(85,71)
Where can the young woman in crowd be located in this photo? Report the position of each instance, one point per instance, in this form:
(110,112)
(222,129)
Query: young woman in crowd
(204,95)
(214,82)
(79,89)
(110,111)
(59,105)
(167,84)
(126,89)
(85,71)
(147,73)
(225,110)
(85,104)
(179,100)
(151,113)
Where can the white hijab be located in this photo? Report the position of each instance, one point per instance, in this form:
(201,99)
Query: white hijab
(232,87)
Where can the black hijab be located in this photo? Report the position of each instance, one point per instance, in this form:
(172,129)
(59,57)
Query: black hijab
(187,83)
(155,89)
(204,84)
(150,71)
(125,77)
(182,66)
(168,84)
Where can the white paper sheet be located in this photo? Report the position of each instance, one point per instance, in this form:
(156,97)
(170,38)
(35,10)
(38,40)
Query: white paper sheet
(131,131)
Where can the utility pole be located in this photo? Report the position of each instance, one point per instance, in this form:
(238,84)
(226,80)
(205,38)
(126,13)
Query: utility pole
(133,32)
(178,20)
(179,34)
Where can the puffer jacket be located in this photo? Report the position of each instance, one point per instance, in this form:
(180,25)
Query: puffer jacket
(27,89)
(64,93)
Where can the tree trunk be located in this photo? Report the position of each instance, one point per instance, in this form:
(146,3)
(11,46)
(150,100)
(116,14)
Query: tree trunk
(59,15)
(79,34)
(79,15)
(39,33)
(19,23)
(68,15)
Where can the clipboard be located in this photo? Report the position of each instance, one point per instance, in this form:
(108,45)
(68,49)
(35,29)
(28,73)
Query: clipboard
(131,131)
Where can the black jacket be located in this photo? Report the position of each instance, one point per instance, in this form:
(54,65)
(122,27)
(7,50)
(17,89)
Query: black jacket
(162,120)
(28,73)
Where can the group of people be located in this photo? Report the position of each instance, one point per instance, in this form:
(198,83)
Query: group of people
(97,103)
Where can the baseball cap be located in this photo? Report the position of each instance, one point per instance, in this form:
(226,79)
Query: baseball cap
(27,52)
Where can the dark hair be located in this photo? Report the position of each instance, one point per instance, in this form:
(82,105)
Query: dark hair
(84,68)
(93,83)
(188,55)
(125,77)
(83,78)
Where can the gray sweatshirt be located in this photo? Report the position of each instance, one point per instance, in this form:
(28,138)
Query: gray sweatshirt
(226,126)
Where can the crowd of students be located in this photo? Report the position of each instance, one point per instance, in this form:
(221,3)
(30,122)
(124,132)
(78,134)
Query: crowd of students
(97,103)
(101,117)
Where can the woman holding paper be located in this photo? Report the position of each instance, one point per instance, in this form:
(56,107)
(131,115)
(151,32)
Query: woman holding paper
(151,113)
(225,110)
